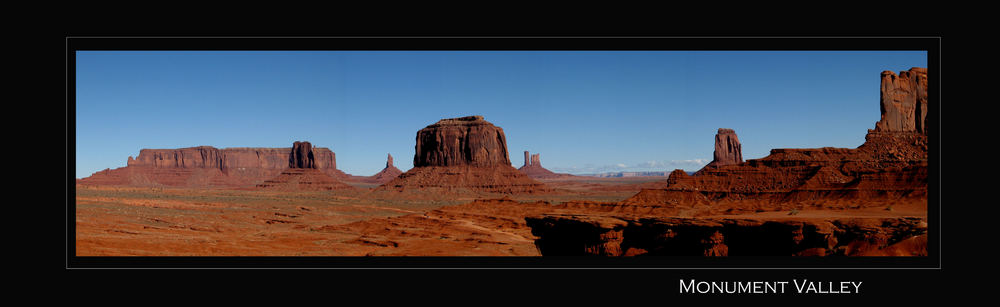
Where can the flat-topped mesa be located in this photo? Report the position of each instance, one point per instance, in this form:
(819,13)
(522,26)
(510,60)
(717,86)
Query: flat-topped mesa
(301,156)
(466,153)
(206,166)
(536,160)
(229,158)
(903,101)
(463,141)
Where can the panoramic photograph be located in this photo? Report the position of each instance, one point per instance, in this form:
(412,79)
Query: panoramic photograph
(500,153)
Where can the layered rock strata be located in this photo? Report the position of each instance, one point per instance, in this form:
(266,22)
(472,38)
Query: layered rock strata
(463,141)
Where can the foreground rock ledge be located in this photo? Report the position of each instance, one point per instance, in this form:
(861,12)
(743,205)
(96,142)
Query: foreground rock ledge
(579,235)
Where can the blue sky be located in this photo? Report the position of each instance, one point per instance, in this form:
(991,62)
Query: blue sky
(583,111)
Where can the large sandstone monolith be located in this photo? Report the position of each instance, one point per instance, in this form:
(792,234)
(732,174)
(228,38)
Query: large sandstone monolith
(461,141)
(903,101)
(302,156)
(465,153)
(536,160)
(727,150)
(526,161)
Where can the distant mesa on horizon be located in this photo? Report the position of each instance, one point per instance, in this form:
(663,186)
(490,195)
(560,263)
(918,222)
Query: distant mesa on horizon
(210,167)
(630,174)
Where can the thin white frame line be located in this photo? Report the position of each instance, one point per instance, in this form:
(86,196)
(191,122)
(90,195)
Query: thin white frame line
(940,105)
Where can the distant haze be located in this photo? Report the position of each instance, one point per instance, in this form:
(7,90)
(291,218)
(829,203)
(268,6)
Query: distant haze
(585,112)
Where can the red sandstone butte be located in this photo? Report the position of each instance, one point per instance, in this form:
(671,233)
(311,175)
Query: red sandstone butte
(465,153)
(727,149)
(302,174)
(904,101)
(533,168)
(207,166)
(462,141)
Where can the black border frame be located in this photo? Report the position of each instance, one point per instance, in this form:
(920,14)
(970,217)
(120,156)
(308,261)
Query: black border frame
(930,43)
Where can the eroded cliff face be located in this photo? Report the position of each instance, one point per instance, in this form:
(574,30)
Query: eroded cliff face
(302,156)
(728,150)
(229,158)
(904,101)
(463,141)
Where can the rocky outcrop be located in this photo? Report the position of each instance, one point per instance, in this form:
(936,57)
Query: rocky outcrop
(605,235)
(466,153)
(387,174)
(891,164)
(727,150)
(207,166)
(463,141)
(889,169)
(302,174)
(533,168)
(903,101)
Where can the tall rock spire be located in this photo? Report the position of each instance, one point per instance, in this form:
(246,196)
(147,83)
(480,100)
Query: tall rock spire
(727,150)
(903,101)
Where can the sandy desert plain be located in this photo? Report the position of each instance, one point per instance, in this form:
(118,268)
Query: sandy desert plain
(464,198)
